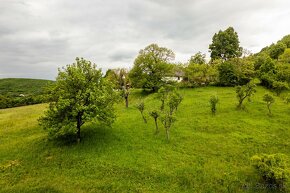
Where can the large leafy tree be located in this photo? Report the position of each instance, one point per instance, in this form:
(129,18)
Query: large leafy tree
(151,66)
(197,58)
(244,69)
(119,78)
(226,74)
(286,40)
(80,94)
(225,45)
(200,74)
(285,57)
(262,59)
(235,71)
(267,70)
(274,75)
(276,50)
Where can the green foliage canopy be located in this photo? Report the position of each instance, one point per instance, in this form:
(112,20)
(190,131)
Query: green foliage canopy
(285,57)
(272,168)
(276,50)
(118,77)
(151,66)
(225,45)
(235,71)
(198,58)
(286,40)
(80,94)
(200,74)
(279,86)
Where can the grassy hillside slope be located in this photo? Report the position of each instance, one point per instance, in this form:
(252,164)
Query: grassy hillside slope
(16,86)
(206,153)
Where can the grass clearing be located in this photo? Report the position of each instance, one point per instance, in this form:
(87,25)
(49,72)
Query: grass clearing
(206,153)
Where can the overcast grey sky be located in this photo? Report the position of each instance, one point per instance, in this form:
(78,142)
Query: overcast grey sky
(38,36)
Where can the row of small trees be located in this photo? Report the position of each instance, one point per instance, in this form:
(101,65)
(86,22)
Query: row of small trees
(243,93)
(170,99)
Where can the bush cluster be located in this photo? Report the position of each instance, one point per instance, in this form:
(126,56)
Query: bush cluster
(271,168)
(12,101)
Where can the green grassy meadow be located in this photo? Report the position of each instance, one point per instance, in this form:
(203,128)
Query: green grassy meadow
(205,154)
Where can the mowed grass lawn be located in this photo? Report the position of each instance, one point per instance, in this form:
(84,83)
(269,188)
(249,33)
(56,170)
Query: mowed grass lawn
(205,154)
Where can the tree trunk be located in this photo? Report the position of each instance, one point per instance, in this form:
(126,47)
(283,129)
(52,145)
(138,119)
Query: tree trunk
(240,104)
(154,88)
(156,125)
(167,133)
(171,111)
(145,120)
(162,106)
(127,101)
(270,113)
(79,124)
(78,134)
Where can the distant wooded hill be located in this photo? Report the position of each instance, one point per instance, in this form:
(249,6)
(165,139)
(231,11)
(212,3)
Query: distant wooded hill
(22,86)
(16,92)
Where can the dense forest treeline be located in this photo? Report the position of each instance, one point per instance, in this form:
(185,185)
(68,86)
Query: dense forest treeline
(16,92)
(154,67)
(230,65)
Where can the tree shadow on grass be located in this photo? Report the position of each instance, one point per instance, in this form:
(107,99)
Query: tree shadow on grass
(98,134)
(93,136)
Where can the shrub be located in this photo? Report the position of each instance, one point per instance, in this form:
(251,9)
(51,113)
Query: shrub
(269,101)
(8,101)
(213,102)
(163,94)
(267,80)
(141,108)
(279,86)
(170,104)
(155,115)
(167,120)
(271,168)
(174,99)
(287,99)
(244,92)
